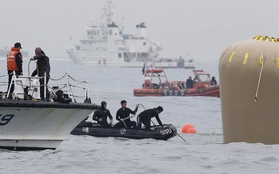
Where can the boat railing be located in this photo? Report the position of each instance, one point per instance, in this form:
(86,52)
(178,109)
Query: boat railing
(28,88)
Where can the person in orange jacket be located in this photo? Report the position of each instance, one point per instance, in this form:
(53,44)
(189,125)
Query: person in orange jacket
(14,63)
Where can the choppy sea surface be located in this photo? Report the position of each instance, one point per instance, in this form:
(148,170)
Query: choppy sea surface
(203,152)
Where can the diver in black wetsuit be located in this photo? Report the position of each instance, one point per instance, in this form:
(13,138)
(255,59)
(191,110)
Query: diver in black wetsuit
(145,117)
(123,113)
(101,115)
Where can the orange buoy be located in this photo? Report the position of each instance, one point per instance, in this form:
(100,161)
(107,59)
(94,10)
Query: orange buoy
(186,127)
(191,130)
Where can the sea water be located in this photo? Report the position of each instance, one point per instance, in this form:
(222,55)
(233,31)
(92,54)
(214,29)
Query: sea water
(203,152)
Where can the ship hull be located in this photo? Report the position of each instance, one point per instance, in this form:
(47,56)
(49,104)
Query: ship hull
(111,59)
(212,92)
(38,125)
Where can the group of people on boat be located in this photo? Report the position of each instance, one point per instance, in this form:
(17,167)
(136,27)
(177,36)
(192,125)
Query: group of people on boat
(123,117)
(190,82)
(14,64)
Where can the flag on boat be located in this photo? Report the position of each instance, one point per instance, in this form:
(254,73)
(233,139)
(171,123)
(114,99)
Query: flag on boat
(152,64)
(143,68)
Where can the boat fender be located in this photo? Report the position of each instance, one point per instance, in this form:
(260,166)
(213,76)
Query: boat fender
(201,90)
(182,92)
(164,93)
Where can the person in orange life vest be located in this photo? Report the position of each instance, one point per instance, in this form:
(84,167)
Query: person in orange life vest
(14,63)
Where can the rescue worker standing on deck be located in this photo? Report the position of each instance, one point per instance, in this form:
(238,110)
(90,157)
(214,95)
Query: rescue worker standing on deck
(14,63)
(42,67)
(101,115)
(145,117)
(122,114)
(189,83)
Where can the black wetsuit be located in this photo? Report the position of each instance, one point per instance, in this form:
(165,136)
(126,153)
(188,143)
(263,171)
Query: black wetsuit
(189,83)
(124,113)
(213,81)
(102,114)
(145,118)
(43,66)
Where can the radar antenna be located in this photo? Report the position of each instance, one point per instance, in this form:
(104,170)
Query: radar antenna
(108,12)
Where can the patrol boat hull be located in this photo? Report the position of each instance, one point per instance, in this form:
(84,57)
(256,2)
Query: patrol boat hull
(201,87)
(90,129)
(29,125)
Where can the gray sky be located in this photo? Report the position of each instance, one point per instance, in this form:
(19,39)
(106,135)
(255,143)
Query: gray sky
(202,28)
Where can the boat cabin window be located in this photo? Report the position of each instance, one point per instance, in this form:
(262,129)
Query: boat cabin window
(202,78)
(144,43)
(110,32)
(119,55)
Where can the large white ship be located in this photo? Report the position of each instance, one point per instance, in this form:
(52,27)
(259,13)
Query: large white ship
(108,45)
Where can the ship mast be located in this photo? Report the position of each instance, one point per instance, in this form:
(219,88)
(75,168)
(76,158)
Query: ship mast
(108,12)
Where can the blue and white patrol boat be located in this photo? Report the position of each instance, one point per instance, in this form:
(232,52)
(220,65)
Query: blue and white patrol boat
(29,123)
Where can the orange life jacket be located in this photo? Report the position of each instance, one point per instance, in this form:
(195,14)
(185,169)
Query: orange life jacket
(11,59)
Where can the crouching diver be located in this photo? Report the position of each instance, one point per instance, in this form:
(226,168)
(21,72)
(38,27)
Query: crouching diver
(122,115)
(101,115)
(145,117)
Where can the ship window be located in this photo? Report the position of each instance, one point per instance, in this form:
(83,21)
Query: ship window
(120,32)
(110,32)
(144,43)
(115,34)
(106,32)
(119,55)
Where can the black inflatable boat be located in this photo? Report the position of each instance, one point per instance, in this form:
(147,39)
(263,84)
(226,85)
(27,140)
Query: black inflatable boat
(156,132)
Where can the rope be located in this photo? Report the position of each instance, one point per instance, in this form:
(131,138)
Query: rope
(76,80)
(57,79)
(77,86)
(259,80)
